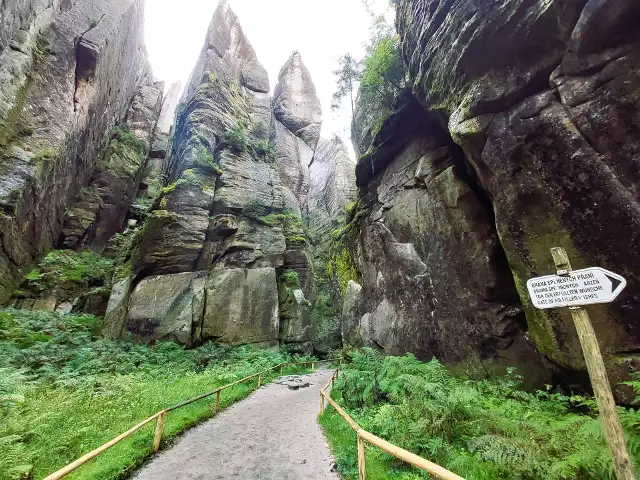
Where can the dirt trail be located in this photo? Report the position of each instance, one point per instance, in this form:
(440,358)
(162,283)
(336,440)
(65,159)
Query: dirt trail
(271,435)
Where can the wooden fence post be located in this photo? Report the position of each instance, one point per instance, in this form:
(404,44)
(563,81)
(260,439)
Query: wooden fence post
(157,438)
(259,380)
(216,405)
(599,380)
(361,459)
(321,403)
(281,369)
(313,366)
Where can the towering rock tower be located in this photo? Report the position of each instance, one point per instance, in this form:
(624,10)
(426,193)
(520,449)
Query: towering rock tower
(224,254)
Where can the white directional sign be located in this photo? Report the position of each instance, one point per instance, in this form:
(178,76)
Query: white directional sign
(579,287)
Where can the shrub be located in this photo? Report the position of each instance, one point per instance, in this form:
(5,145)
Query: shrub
(205,161)
(263,149)
(259,130)
(290,279)
(236,139)
(191,178)
(255,210)
(69,270)
(171,187)
(122,136)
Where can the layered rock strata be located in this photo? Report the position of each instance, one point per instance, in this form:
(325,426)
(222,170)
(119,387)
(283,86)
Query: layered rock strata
(521,135)
(227,228)
(68,73)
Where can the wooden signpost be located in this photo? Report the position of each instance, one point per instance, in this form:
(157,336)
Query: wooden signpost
(575,289)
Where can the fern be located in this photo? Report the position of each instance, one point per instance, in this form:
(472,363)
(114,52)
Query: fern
(488,429)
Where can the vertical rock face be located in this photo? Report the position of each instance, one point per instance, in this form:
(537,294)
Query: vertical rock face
(102,207)
(169,106)
(298,117)
(69,72)
(434,278)
(332,179)
(332,183)
(228,226)
(543,99)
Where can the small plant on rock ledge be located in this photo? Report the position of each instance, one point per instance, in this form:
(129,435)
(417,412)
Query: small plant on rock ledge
(290,279)
(236,139)
(205,161)
(122,135)
(263,149)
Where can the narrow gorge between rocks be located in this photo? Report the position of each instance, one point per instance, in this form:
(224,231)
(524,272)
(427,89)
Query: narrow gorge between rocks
(140,219)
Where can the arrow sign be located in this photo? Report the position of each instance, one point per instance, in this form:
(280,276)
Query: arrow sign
(579,287)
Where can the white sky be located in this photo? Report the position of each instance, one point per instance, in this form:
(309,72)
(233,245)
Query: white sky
(321,30)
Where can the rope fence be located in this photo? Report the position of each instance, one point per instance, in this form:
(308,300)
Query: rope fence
(160,418)
(364,436)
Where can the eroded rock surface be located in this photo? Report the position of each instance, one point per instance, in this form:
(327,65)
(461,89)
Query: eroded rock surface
(296,129)
(435,280)
(543,99)
(332,175)
(231,212)
(68,76)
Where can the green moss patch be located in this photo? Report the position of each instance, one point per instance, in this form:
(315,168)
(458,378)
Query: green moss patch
(66,274)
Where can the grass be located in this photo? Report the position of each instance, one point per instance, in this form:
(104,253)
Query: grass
(65,391)
(479,429)
(379,466)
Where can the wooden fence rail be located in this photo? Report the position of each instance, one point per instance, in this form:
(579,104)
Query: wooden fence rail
(160,418)
(364,436)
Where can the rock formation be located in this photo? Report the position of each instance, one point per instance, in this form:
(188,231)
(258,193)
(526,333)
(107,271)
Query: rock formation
(225,246)
(332,184)
(332,188)
(435,280)
(68,73)
(520,134)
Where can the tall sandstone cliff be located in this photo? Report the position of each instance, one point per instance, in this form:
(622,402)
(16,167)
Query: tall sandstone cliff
(224,256)
(520,134)
(332,189)
(69,71)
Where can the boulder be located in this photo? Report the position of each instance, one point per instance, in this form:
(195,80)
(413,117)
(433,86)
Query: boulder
(351,314)
(117,306)
(295,316)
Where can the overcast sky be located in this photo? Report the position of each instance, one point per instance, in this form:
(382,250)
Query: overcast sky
(321,30)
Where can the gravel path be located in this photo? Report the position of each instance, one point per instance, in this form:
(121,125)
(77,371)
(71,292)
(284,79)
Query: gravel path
(271,435)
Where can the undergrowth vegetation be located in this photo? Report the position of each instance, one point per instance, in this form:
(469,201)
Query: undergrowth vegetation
(65,391)
(481,430)
(66,275)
